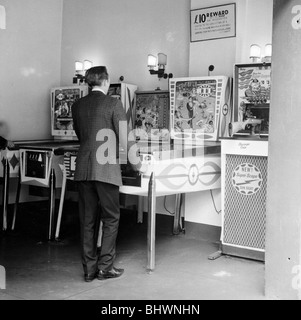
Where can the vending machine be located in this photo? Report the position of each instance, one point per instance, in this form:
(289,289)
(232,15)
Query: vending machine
(244,196)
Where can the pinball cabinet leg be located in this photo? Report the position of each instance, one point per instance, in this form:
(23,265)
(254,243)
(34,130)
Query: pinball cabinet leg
(177,226)
(151,228)
(5,192)
(51,205)
(17,202)
(140,209)
(61,207)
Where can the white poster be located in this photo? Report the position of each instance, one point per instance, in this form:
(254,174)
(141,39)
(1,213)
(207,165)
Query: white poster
(213,23)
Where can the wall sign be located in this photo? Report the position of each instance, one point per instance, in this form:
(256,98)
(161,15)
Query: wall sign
(247,179)
(213,23)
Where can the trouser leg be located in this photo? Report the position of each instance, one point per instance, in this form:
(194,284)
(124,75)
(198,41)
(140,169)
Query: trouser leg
(110,216)
(89,220)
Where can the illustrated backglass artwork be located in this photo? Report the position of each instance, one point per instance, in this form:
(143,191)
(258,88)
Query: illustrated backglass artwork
(62,100)
(200,108)
(152,115)
(252,94)
(115,91)
(126,94)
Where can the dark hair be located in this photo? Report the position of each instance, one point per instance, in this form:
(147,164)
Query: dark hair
(96,75)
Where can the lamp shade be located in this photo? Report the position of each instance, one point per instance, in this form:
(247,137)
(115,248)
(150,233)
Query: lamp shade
(87,65)
(162,59)
(268,51)
(2,17)
(255,51)
(151,61)
(79,66)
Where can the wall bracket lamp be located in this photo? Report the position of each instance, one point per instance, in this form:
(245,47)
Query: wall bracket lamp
(256,56)
(161,61)
(80,70)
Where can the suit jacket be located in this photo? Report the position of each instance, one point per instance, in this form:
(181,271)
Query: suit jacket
(3,143)
(91,114)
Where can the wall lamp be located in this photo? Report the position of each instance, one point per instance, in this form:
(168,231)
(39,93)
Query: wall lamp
(161,61)
(80,70)
(255,53)
(2,18)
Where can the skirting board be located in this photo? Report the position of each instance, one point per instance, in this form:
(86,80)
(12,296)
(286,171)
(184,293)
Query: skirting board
(243,253)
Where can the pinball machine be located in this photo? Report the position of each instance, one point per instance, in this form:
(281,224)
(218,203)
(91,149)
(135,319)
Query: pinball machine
(40,163)
(178,133)
(178,159)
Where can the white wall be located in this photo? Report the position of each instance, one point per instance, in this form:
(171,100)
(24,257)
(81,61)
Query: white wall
(253,25)
(30,49)
(121,33)
(283,235)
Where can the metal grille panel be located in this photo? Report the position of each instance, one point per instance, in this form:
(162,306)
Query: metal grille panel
(245,215)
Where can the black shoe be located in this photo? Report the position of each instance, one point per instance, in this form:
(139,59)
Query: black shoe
(113,273)
(90,277)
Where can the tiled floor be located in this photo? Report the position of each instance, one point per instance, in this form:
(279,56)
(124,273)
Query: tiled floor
(38,270)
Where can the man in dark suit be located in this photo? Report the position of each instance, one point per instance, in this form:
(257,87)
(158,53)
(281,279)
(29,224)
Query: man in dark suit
(97,122)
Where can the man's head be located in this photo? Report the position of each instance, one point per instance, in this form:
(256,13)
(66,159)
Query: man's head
(98,77)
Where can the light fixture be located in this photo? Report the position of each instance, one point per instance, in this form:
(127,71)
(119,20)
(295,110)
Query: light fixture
(2,18)
(79,67)
(151,62)
(80,70)
(255,53)
(87,65)
(256,56)
(161,61)
(267,53)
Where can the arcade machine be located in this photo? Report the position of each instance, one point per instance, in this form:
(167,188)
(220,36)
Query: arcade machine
(188,159)
(244,164)
(38,164)
(9,168)
(61,102)
(180,151)
(66,156)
